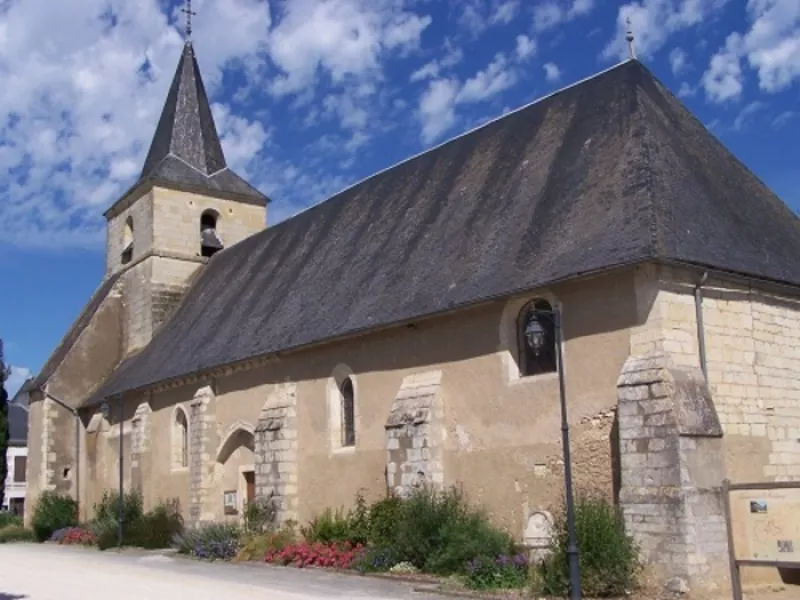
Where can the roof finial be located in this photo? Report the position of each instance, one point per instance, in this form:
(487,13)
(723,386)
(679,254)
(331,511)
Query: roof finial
(629,39)
(189,14)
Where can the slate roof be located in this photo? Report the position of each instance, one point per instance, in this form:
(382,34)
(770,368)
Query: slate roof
(609,172)
(186,151)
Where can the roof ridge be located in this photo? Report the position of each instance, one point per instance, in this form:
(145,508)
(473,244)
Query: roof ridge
(653,224)
(461,135)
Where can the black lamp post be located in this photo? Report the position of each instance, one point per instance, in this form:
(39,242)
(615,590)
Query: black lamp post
(536,339)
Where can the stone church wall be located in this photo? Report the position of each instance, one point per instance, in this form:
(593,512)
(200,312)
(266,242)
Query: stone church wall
(498,434)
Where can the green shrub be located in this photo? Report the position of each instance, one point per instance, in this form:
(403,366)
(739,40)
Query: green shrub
(327,528)
(157,528)
(256,546)
(152,530)
(438,532)
(215,541)
(502,572)
(7,518)
(52,512)
(609,558)
(108,507)
(15,533)
(384,516)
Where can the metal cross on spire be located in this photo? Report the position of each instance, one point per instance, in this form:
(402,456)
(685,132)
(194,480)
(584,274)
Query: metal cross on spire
(187,10)
(629,39)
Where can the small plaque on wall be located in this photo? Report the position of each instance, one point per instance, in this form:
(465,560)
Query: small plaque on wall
(229,500)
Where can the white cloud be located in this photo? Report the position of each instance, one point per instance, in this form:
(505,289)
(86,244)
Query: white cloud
(453,56)
(526,47)
(723,79)
(489,82)
(686,90)
(551,13)
(746,114)
(771,46)
(437,107)
(505,12)
(341,38)
(654,21)
(551,72)
(16,378)
(783,119)
(677,60)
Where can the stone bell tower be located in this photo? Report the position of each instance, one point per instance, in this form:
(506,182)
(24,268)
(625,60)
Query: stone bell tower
(186,206)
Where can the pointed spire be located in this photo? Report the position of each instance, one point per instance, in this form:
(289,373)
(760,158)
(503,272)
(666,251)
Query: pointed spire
(186,149)
(629,39)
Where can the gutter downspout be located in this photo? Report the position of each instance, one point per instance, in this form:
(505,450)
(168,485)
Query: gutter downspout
(75,414)
(701,336)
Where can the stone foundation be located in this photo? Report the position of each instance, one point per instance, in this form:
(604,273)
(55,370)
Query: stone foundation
(672,467)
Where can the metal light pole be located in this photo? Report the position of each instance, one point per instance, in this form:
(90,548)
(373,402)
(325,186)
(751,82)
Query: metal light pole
(535,336)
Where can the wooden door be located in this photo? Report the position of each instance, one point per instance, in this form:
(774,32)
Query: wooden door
(250,479)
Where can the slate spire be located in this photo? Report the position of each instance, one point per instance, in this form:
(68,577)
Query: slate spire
(186,149)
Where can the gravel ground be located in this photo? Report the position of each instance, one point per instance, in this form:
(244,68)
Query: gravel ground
(48,572)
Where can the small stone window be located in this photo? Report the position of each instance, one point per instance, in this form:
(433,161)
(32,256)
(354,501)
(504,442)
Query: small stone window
(210,241)
(348,413)
(127,242)
(180,440)
(539,357)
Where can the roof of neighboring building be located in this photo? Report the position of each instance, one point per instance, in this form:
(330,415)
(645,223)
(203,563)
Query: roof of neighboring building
(186,151)
(17,424)
(609,172)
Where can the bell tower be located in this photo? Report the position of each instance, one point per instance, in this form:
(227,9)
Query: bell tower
(186,206)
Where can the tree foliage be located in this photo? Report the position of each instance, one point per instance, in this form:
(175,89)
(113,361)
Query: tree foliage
(4,373)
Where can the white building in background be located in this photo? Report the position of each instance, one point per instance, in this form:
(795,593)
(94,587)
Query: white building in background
(17,453)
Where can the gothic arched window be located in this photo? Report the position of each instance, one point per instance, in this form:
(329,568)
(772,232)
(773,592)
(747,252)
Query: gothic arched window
(180,439)
(127,241)
(210,242)
(348,413)
(536,339)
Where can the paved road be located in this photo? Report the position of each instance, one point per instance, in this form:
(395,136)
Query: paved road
(48,572)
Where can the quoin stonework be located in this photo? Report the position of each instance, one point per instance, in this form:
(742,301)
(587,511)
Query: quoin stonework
(375,342)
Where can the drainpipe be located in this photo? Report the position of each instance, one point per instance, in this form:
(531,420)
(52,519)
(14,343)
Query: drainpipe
(701,336)
(75,414)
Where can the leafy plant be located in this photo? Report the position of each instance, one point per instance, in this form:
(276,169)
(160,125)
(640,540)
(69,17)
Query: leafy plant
(329,527)
(259,515)
(256,546)
(156,528)
(74,535)
(15,533)
(377,560)
(503,572)
(52,512)
(7,518)
(108,507)
(211,542)
(609,558)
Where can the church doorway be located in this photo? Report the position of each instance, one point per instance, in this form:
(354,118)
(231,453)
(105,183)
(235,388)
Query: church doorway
(250,486)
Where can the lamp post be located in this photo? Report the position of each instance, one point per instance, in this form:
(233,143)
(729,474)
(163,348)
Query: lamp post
(535,338)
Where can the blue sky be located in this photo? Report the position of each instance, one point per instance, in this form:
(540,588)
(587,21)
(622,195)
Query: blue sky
(312,95)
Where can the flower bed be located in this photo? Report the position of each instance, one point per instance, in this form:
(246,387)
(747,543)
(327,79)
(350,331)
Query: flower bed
(334,555)
(74,535)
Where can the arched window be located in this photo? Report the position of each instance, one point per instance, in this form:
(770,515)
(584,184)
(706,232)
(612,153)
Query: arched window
(210,241)
(536,334)
(348,413)
(127,241)
(180,439)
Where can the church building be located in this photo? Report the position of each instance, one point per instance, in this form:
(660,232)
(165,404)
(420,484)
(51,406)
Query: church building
(412,329)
